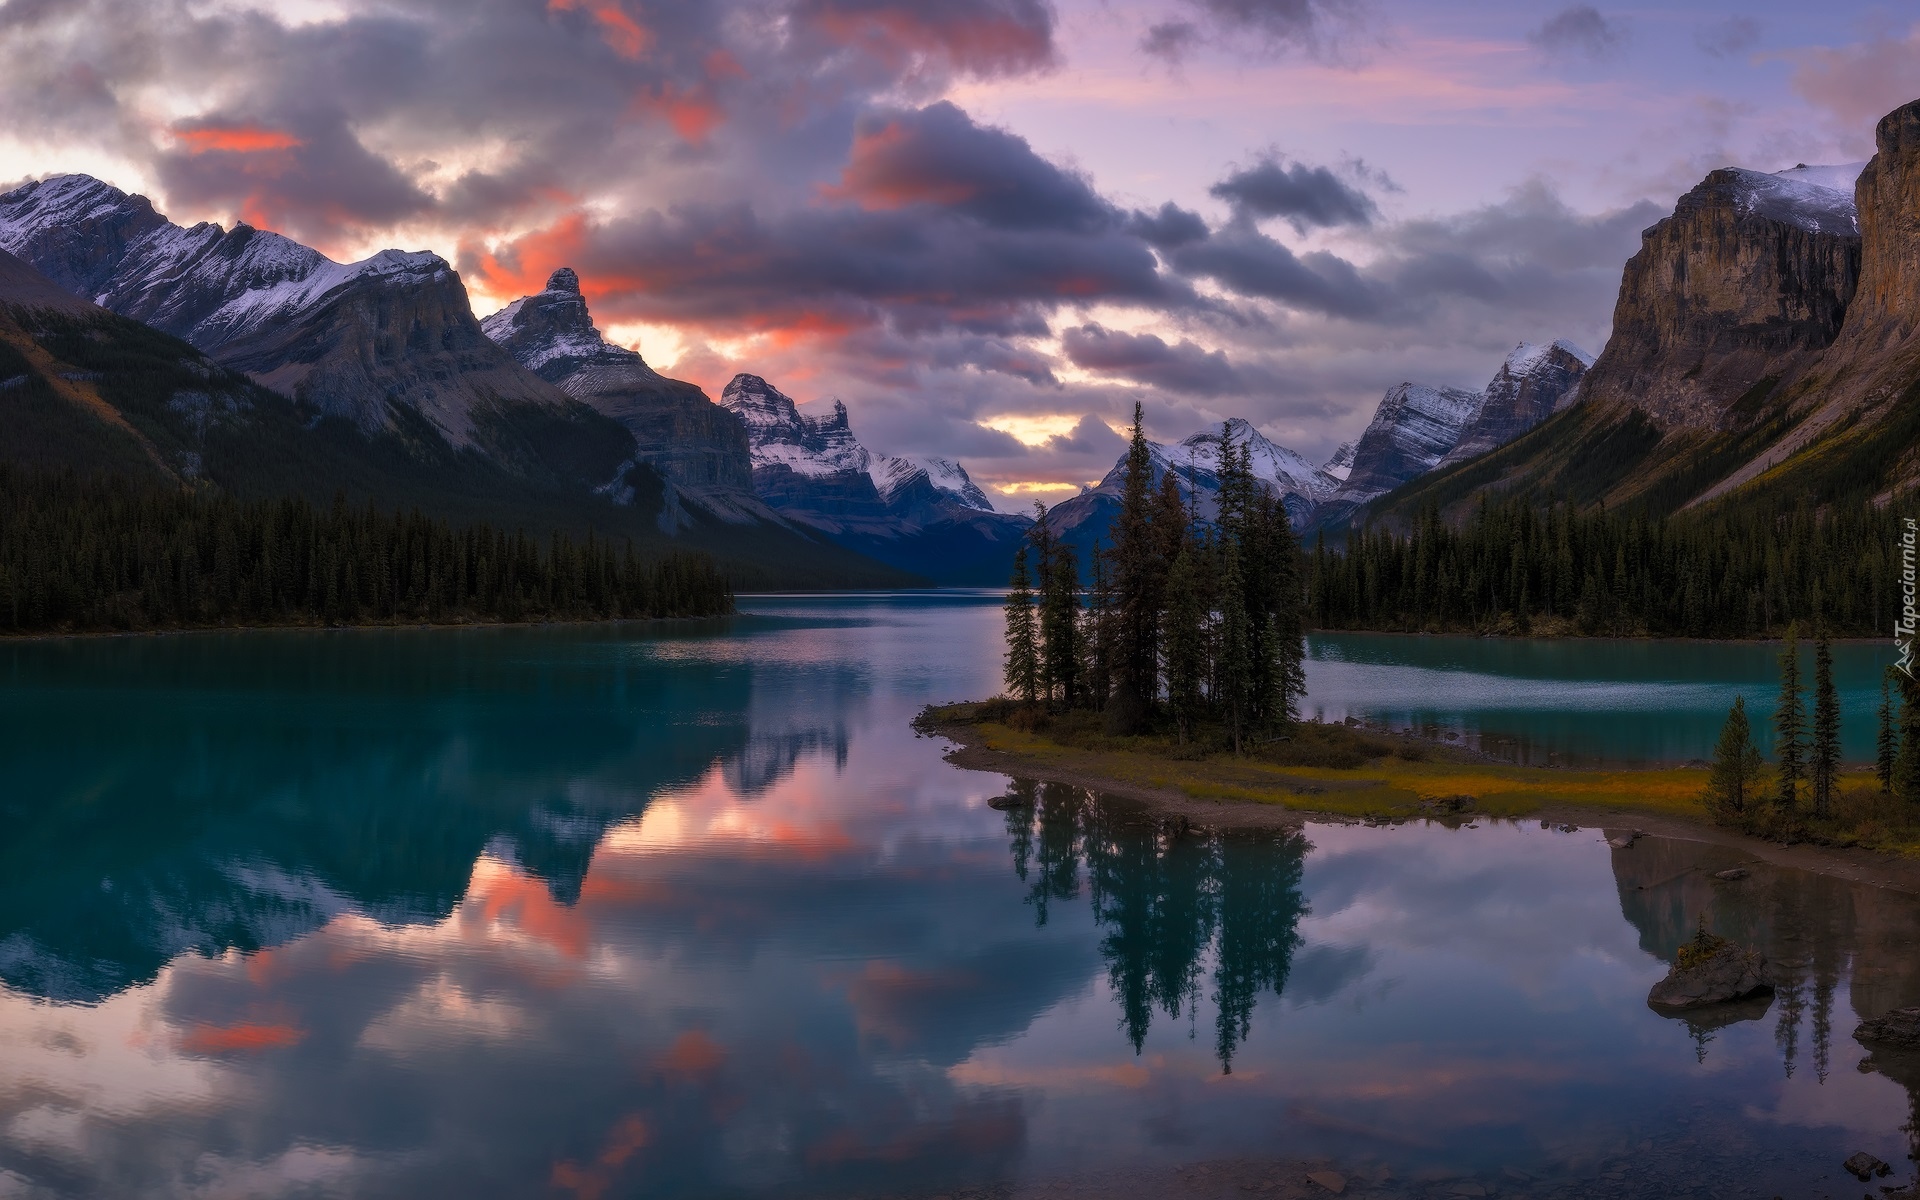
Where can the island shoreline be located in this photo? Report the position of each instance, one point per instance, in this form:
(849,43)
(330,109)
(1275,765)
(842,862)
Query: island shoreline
(971,752)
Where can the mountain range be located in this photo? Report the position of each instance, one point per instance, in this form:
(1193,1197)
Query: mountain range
(1763,343)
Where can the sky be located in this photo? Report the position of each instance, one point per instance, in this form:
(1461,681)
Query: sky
(989,226)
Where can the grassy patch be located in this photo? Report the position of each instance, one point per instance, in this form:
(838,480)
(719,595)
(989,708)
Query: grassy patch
(1338,770)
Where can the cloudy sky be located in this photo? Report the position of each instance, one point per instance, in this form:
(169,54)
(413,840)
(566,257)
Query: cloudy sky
(988,225)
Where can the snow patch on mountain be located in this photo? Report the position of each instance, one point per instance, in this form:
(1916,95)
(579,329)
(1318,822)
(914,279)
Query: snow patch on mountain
(1840,177)
(892,476)
(1813,207)
(781,435)
(1341,464)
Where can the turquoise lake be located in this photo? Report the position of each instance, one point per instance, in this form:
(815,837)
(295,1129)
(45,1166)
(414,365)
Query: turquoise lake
(688,910)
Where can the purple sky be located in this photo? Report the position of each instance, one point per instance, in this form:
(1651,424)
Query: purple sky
(988,225)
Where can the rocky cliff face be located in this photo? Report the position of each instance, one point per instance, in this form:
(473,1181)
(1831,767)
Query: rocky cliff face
(921,515)
(695,444)
(1412,430)
(1529,387)
(1748,280)
(377,341)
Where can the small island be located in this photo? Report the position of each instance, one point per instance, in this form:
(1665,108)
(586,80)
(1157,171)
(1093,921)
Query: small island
(1175,680)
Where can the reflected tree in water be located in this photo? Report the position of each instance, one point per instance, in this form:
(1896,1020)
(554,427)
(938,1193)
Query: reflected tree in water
(1170,905)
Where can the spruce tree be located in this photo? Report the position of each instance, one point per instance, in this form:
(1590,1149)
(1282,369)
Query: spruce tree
(1789,726)
(1185,641)
(1096,636)
(1060,626)
(1023,652)
(1235,656)
(1136,607)
(1906,777)
(1734,779)
(1887,745)
(1823,758)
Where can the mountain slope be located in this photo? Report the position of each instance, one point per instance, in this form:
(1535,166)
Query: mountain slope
(1412,430)
(1529,387)
(1083,521)
(699,447)
(923,516)
(1739,341)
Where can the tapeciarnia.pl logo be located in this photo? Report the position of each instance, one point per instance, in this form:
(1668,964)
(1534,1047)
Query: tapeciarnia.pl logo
(1903,629)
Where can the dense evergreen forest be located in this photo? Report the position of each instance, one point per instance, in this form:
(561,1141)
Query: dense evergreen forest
(1195,621)
(1516,568)
(90,554)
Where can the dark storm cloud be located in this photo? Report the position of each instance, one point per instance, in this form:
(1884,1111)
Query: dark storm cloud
(1145,358)
(1169,227)
(305,177)
(1306,197)
(1242,259)
(1578,31)
(937,158)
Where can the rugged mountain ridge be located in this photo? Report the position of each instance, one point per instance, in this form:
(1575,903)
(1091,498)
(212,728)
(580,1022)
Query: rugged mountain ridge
(373,379)
(1411,431)
(697,446)
(1763,343)
(1083,521)
(926,516)
(1531,385)
(375,342)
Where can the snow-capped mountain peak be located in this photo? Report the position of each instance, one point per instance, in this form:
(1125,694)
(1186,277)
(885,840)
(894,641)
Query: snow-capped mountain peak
(1795,198)
(893,476)
(552,334)
(783,436)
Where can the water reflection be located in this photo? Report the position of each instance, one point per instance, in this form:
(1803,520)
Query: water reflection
(692,913)
(1166,900)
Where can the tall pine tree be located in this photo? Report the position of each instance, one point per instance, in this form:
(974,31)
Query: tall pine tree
(1790,726)
(1185,641)
(1823,752)
(1887,744)
(1734,779)
(1023,651)
(1136,603)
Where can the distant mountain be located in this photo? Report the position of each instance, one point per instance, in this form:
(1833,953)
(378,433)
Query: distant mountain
(1412,430)
(925,516)
(1194,461)
(377,381)
(1763,341)
(1341,464)
(1534,383)
(697,446)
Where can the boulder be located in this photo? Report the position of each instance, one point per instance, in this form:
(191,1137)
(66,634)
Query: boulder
(1899,1028)
(1864,1166)
(1330,1180)
(1711,971)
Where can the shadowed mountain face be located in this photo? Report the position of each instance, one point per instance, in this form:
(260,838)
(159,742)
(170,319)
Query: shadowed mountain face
(693,443)
(1533,384)
(921,515)
(1764,342)
(375,341)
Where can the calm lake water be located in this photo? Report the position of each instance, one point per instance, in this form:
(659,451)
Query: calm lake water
(689,911)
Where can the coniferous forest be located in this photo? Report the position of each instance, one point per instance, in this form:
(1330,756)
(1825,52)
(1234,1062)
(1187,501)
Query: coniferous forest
(94,554)
(1515,568)
(1199,621)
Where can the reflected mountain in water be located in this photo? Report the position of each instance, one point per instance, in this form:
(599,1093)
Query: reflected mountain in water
(1166,902)
(204,793)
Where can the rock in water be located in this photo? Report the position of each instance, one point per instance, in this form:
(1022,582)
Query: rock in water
(1731,874)
(1330,1180)
(1864,1166)
(1711,971)
(1899,1028)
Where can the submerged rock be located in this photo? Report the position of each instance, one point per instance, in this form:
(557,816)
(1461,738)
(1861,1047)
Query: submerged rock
(1711,970)
(1731,874)
(1332,1181)
(1899,1028)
